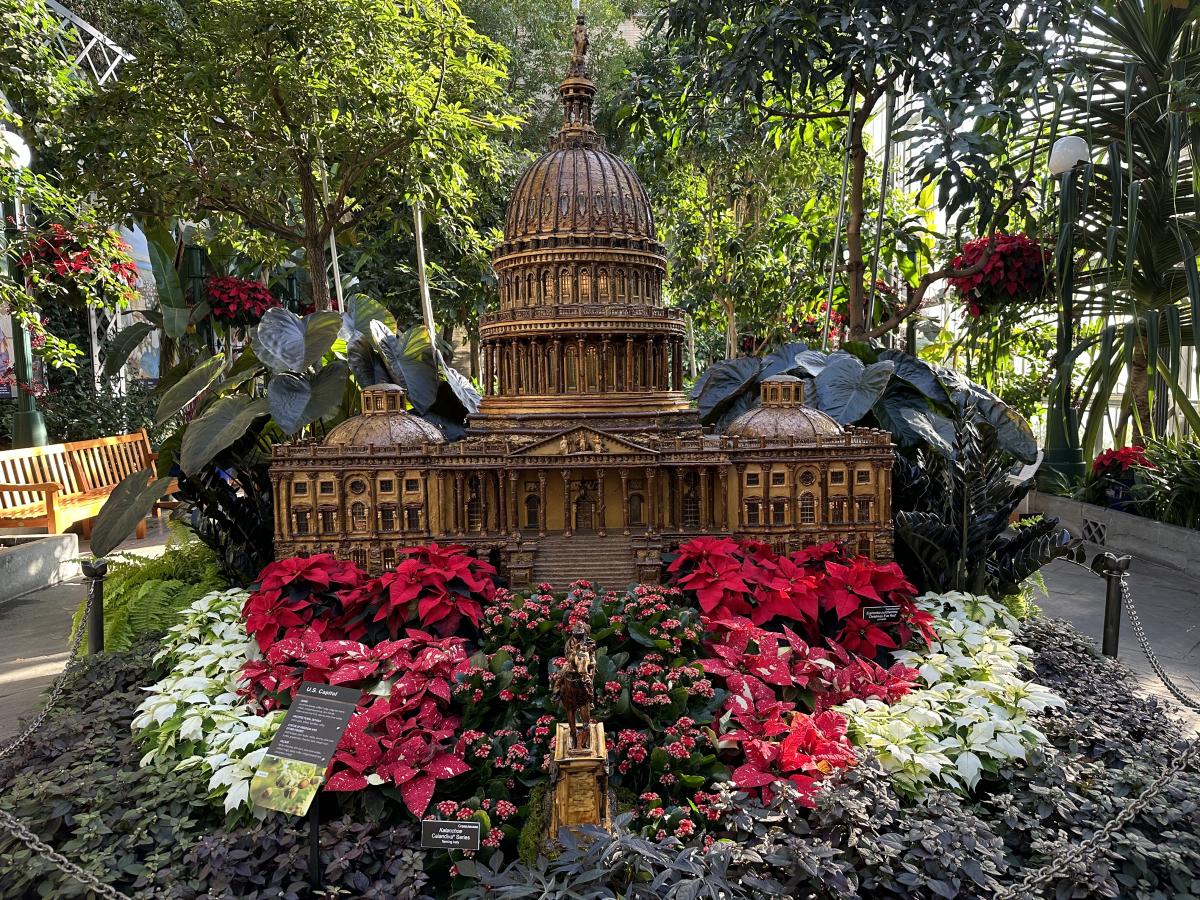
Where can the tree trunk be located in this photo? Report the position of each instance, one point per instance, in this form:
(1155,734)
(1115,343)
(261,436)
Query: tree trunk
(731,341)
(1139,388)
(317,250)
(856,266)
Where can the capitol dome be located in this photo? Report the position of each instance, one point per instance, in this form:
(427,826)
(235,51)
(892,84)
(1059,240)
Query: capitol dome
(783,415)
(581,324)
(384,423)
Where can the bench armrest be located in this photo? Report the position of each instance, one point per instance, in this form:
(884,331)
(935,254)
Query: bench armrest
(46,487)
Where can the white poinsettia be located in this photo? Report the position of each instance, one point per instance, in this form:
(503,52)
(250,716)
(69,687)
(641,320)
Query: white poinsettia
(972,713)
(194,716)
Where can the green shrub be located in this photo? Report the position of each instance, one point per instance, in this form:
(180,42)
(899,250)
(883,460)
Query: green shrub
(145,595)
(1171,485)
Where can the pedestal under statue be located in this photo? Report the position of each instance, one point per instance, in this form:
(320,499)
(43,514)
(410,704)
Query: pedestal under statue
(580,766)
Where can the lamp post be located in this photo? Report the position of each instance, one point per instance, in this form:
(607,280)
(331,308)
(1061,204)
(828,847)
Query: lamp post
(29,428)
(1064,454)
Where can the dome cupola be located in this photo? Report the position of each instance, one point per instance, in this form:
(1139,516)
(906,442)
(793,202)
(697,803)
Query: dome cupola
(384,423)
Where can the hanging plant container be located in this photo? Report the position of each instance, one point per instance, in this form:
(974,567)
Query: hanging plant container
(239,302)
(1013,275)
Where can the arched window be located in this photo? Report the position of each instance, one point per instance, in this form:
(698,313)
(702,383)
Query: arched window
(533,511)
(358,516)
(619,284)
(636,506)
(547,287)
(565,294)
(808,509)
(602,284)
(529,298)
(585,286)
(572,367)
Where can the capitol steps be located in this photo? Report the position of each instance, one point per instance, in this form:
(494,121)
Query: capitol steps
(604,561)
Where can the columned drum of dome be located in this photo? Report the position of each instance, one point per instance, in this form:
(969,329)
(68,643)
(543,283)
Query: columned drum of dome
(581,326)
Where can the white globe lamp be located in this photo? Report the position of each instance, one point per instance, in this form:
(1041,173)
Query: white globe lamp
(1067,153)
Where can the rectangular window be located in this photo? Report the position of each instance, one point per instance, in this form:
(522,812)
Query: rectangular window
(327,521)
(864,509)
(359,558)
(779,478)
(386,486)
(778,512)
(301,521)
(838,477)
(863,476)
(412,519)
(387,519)
(300,488)
(326,487)
(752,514)
(389,558)
(751,479)
(411,485)
(837,512)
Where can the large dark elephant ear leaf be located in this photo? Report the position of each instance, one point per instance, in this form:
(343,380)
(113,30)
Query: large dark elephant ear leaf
(913,422)
(810,363)
(360,312)
(783,360)
(365,363)
(189,387)
(920,375)
(728,381)
(225,420)
(846,389)
(415,373)
(461,386)
(1013,433)
(126,506)
(297,400)
(320,331)
(279,340)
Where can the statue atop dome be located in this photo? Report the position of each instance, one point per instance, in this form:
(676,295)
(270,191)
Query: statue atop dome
(579,51)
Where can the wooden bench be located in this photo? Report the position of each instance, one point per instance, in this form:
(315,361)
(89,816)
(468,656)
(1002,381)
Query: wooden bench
(55,486)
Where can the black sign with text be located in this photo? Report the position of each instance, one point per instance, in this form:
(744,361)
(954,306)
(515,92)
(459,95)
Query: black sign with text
(293,767)
(437,835)
(881,615)
(314,723)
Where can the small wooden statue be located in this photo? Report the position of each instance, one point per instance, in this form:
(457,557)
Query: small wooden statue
(579,769)
(574,684)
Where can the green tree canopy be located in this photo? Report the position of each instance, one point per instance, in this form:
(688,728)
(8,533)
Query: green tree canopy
(295,117)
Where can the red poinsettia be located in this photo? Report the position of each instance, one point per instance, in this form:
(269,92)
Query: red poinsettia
(1117,463)
(299,592)
(813,748)
(1014,272)
(238,301)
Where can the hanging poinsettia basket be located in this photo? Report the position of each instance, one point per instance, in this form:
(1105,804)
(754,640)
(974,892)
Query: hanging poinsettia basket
(1014,273)
(239,301)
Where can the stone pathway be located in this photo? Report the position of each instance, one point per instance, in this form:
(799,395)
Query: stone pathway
(1168,603)
(34,634)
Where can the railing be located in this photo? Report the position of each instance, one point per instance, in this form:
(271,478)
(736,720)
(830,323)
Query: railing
(90,50)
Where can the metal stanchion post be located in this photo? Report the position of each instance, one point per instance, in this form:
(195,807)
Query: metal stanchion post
(314,845)
(94,571)
(1113,569)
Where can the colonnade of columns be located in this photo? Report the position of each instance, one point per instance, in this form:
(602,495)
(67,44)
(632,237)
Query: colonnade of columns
(566,365)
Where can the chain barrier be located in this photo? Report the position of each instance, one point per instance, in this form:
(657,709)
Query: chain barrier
(1033,883)
(15,826)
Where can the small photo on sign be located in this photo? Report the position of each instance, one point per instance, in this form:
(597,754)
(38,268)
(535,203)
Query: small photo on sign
(286,785)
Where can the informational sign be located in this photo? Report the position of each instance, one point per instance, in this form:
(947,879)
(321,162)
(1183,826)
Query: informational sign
(294,766)
(437,835)
(881,614)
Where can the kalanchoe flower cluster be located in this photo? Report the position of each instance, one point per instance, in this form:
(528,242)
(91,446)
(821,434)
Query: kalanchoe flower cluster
(820,592)
(1015,272)
(239,301)
(1118,462)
